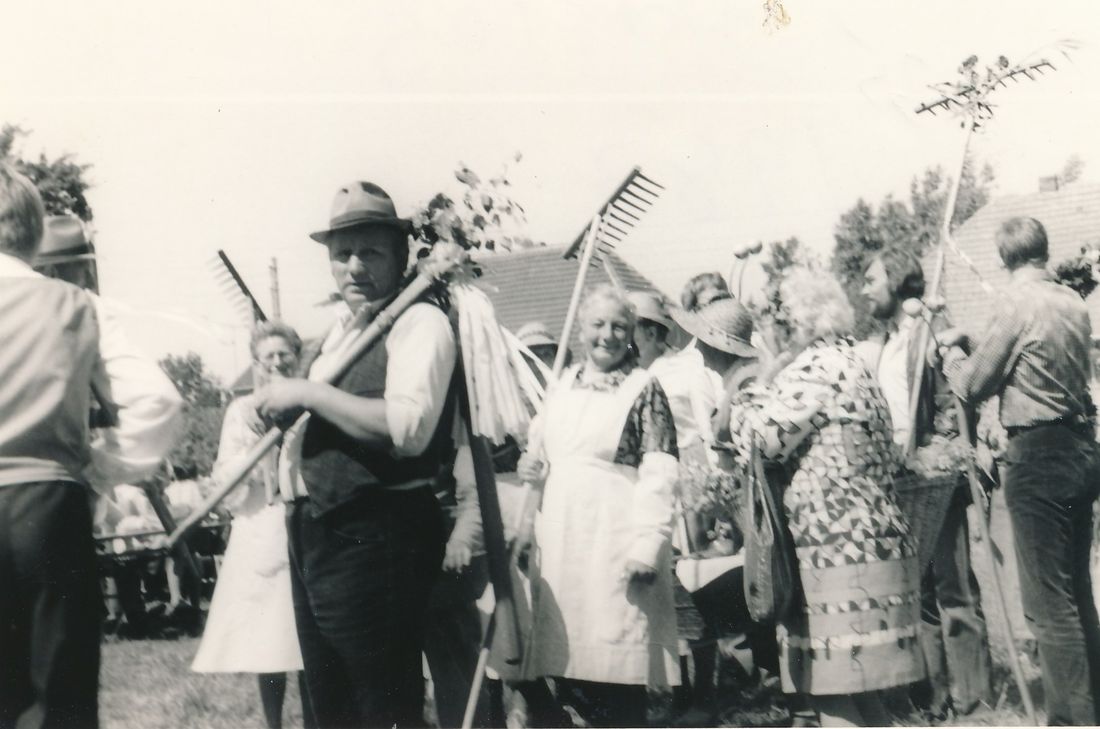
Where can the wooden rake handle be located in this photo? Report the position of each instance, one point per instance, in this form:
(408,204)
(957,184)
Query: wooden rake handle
(357,348)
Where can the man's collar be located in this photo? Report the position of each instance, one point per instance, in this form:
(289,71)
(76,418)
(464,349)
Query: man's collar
(1026,274)
(343,313)
(12,267)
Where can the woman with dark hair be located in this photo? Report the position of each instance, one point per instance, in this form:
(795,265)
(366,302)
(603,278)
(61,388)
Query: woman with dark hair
(703,288)
(250,627)
(604,624)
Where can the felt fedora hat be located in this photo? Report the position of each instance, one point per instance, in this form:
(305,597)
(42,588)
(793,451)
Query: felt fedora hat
(361,203)
(64,240)
(724,324)
(651,306)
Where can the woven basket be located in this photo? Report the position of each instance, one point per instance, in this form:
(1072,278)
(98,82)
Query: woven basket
(924,503)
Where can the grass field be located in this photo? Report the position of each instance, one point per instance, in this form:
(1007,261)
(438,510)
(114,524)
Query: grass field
(149,683)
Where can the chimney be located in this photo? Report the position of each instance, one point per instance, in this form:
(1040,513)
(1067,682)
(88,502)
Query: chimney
(1049,184)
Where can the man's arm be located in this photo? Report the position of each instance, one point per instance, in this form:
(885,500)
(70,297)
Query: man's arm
(146,404)
(467,537)
(941,419)
(983,373)
(421,359)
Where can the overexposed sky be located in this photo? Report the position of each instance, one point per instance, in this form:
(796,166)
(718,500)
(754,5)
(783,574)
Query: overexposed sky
(229,125)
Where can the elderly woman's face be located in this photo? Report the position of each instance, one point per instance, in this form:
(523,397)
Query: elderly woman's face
(606,331)
(274,358)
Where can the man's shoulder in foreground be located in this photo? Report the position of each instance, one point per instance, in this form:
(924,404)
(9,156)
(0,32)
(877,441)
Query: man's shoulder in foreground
(423,320)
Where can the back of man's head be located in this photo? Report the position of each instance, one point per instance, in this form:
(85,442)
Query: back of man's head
(1021,242)
(21,214)
(904,272)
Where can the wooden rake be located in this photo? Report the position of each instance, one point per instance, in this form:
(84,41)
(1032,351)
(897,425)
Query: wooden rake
(614,220)
(619,214)
(235,289)
(610,225)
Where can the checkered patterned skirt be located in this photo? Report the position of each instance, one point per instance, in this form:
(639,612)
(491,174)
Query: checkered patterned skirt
(856,628)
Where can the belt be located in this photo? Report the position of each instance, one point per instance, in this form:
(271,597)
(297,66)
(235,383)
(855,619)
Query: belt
(1074,423)
(389,488)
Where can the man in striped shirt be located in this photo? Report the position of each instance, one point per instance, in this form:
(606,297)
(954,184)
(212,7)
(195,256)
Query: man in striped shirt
(1035,356)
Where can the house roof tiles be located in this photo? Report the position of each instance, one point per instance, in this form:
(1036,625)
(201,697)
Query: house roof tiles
(533,284)
(1071,217)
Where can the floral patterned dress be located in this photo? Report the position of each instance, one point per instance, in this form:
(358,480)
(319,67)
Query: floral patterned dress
(856,629)
(610,443)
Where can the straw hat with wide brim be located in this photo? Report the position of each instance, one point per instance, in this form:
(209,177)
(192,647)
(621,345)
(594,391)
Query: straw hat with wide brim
(361,203)
(724,324)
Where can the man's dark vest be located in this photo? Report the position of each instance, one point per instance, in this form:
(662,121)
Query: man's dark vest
(338,469)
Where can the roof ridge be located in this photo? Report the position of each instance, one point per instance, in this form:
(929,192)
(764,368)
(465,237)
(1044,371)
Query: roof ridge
(528,250)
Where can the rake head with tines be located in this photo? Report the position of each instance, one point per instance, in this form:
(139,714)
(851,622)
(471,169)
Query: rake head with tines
(622,211)
(233,286)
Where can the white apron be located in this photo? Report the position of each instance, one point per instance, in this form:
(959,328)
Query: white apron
(589,624)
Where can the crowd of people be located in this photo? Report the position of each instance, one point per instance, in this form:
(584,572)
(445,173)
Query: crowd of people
(357,558)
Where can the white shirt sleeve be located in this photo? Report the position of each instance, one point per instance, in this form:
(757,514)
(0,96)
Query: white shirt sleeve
(468,528)
(147,406)
(421,359)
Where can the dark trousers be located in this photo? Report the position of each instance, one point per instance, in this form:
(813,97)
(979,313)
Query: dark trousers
(605,704)
(361,577)
(1051,480)
(453,640)
(50,607)
(954,638)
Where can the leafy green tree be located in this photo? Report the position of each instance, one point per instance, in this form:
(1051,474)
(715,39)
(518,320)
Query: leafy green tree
(61,181)
(204,406)
(779,257)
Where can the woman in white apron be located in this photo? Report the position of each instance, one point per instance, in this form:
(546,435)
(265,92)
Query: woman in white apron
(604,618)
(250,627)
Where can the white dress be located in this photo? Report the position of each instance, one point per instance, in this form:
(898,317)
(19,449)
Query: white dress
(250,627)
(608,499)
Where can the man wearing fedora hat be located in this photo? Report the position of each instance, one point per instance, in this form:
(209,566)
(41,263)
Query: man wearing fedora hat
(59,343)
(365,531)
(536,337)
(653,327)
(67,253)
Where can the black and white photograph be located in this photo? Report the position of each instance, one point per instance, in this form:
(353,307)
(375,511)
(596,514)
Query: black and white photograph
(549,364)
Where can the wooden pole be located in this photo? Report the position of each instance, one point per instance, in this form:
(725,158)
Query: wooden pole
(164,514)
(358,346)
(963,417)
(276,304)
(527,495)
(575,299)
(925,332)
(505,613)
(977,495)
(612,276)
